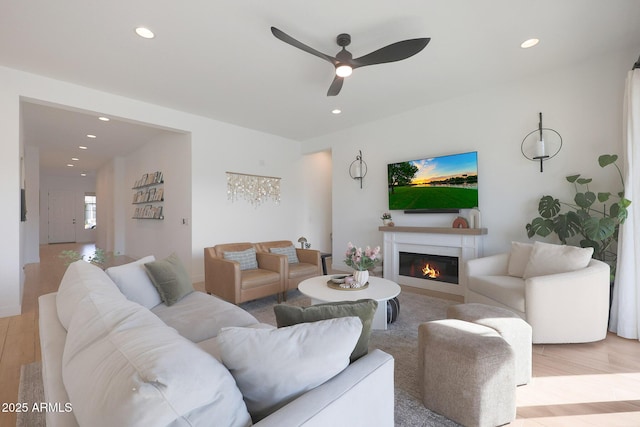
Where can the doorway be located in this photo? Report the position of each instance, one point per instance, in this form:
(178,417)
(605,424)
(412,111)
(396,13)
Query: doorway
(61,217)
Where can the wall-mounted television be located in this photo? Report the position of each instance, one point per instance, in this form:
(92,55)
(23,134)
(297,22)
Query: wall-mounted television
(434,184)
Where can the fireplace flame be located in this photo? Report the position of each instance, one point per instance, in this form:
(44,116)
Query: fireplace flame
(430,272)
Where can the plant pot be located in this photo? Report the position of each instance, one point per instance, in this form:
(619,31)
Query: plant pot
(360,277)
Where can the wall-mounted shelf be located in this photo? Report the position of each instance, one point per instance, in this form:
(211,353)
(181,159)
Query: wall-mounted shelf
(149,191)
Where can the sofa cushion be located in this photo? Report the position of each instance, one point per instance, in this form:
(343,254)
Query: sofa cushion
(170,279)
(247,258)
(274,367)
(547,259)
(289,251)
(123,366)
(79,279)
(199,316)
(365,309)
(302,269)
(134,282)
(258,277)
(506,290)
(518,258)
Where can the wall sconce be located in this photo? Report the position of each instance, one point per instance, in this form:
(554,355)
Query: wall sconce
(358,168)
(541,144)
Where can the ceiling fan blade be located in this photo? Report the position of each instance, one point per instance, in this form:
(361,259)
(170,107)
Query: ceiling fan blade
(335,87)
(394,52)
(295,43)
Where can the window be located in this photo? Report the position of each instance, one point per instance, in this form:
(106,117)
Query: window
(89,211)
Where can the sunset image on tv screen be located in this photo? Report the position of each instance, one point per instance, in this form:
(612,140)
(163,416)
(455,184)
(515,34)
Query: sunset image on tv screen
(445,182)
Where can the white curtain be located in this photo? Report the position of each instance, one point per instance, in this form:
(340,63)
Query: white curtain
(625,307)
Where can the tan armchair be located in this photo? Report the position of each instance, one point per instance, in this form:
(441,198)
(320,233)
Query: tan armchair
(309,264)
(224,278)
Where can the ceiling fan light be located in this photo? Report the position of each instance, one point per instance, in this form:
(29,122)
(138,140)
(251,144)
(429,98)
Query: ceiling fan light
(344,71)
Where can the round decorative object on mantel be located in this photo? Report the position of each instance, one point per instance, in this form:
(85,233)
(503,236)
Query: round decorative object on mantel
(460,222)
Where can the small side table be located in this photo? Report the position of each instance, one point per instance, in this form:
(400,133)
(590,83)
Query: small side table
(323,258)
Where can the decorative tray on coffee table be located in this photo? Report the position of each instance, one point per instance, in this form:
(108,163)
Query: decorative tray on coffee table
(337,282)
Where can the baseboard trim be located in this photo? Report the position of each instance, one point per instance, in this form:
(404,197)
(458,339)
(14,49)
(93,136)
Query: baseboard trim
(8,311)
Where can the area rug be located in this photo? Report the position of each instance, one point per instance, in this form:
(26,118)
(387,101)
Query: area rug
(400,340)
(31,391)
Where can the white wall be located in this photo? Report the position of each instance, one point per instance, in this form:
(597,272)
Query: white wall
(170,154)
(583,103)
(316,214)
(79,186)
(215,219)
(32,192)
(216,147)
(11,259)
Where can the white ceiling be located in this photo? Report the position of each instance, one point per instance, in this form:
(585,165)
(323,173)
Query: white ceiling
(218,58)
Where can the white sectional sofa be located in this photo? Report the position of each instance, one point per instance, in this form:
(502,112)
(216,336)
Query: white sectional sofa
(111,361)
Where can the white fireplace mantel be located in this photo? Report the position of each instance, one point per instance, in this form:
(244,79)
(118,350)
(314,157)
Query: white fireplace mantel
(464,243)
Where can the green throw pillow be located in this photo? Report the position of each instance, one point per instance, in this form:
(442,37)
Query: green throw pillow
(170,279)
(365,309)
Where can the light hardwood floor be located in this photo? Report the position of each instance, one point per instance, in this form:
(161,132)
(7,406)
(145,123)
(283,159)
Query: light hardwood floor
(596,384)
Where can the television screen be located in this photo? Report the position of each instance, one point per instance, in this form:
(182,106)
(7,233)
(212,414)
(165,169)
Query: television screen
(445,183)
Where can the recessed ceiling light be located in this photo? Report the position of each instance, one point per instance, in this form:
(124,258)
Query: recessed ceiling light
(145,33)
(82,147)
(83,174)
(91,136)
(336,111)
(75,159)
(104,119)
(70,165)
(529,43)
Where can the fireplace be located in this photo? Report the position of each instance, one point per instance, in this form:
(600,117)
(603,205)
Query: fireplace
(460,244)
(440,268)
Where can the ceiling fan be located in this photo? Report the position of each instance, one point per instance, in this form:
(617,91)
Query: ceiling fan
(344,62)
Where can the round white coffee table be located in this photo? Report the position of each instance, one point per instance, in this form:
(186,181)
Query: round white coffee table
(379,289)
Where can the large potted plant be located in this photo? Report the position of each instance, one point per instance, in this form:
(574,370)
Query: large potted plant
(593,218)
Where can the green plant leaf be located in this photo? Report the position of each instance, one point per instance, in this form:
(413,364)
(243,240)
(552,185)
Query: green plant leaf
(583,215)
(567,225)
(607,159)
(585,200)
(619,212)
(603,197)
(572,178)
(540,226)
(588,243)
(548,207)
(625,203)
(599,229)
(585,180)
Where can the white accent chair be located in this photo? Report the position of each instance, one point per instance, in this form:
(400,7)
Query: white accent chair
(561,307)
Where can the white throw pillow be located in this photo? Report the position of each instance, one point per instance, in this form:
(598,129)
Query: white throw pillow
(134,282)
(122,366)
(274,367)
(79,279)
(518,258)
(547,259)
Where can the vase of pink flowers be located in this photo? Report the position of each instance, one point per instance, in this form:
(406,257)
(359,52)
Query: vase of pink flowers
(361,261)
